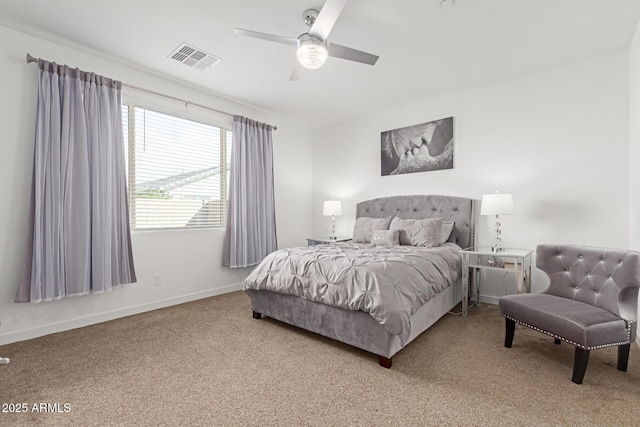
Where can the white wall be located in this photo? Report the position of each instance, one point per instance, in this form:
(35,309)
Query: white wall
(634,141)
(189,260)
(557,140)
(634,144)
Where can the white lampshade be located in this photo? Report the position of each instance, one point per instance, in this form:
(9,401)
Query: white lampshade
(332,208)
(497,204)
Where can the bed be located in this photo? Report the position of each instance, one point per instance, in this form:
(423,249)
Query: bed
(367,317)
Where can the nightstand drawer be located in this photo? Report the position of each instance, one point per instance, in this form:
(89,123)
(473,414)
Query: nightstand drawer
(313,241)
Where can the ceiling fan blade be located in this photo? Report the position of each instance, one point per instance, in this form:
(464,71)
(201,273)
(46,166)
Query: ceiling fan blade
(268,37)
(327,18)
(350,54)
(298,71)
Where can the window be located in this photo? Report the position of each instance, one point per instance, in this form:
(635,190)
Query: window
(177,170)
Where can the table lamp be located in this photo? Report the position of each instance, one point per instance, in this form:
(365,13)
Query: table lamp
(332,208)
(497,204)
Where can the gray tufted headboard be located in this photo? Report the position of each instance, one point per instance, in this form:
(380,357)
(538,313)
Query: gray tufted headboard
(458,209)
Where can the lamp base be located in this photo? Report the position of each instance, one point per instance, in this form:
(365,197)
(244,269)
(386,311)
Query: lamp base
(333,228)
(497,233)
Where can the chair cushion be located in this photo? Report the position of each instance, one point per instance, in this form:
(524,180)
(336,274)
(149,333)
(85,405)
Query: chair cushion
(580,324)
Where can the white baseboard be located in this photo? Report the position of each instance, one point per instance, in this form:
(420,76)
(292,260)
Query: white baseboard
(79,322)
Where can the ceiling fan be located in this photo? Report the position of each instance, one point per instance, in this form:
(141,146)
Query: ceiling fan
(313,47)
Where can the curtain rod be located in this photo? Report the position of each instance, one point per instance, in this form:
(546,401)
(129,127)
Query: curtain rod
(31,59)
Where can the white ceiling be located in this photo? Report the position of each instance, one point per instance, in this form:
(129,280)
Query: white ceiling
(424,50)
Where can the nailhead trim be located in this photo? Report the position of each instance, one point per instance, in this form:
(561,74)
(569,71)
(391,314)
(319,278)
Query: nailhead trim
(629,324)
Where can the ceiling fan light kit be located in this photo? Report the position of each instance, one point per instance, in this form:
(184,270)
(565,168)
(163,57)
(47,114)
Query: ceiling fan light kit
(312,52)
(312,46)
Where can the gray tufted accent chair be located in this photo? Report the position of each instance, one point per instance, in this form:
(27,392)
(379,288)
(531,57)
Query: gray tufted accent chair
(591,301)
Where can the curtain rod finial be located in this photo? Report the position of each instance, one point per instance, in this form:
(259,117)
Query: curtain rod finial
(31,59)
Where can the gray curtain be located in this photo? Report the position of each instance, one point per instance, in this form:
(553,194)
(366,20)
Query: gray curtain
(251,218)
(78,240)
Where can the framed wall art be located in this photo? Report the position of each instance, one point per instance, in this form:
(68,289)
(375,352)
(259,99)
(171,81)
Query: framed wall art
(418,148)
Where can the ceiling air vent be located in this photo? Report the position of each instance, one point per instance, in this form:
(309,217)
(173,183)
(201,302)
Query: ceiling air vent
(194,57)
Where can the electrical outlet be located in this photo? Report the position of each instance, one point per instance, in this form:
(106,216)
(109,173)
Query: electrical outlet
(157,279)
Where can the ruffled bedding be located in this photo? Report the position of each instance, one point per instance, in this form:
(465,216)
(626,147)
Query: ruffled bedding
(389,283)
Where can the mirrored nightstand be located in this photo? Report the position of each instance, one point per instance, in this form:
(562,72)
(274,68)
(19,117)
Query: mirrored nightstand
(481,257)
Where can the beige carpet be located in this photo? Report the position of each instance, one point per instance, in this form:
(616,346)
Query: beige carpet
(209,363)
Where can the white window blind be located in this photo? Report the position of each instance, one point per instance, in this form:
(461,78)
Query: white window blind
(178,170)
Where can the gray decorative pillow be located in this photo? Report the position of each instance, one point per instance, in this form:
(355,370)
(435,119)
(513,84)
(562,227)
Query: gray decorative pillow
(418,232)
(447,228)
(363,228)
(385,238)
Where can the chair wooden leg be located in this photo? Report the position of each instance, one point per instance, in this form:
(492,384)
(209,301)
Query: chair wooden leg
(509,332)
(385,362)
(623,357)
(256,315)
(580,365)
(557,340)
